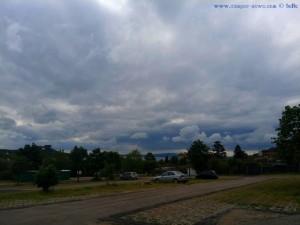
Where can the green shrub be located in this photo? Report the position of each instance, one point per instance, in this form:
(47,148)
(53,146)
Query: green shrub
(47,177)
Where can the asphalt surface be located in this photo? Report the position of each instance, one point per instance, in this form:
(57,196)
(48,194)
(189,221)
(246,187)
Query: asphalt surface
(89,211)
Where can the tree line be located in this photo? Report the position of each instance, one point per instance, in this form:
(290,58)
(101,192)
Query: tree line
(98,163)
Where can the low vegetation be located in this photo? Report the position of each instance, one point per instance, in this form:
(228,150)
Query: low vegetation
(282,194)
(27,195)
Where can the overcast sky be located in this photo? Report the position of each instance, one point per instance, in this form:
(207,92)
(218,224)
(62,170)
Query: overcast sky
(152,75)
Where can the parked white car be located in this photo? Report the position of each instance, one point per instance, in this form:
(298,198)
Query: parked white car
(172,176)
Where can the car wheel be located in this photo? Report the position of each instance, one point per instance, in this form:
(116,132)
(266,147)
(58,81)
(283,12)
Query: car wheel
(156,180)
(175,181)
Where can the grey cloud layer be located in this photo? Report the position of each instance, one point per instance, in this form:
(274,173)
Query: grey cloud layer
(152,75)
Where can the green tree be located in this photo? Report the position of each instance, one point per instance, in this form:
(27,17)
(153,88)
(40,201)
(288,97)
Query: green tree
(5,165)
(113,158)
(219,150)
(167,159)
(62,160)
(33,154)
(288,135)
(150,156)
(133,161)
(78,158)
(47,177)
(239,153)
(150,163)
(199,155)
(236,165)
(96,162)
(174,160)
(20,165)
(59,159)
(108,171)
(183,161)
(220,165)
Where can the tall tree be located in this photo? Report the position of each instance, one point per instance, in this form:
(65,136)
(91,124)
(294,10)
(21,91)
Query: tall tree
(96,162)
(219,150)
(174,160)
(288,135)
(59,159)
(113,158)
(133,161)
(199,155)
(20,165)
(103,160)
(78,158)
(150,163)
(62,160)
(33,154)
(149,156)
(239,153)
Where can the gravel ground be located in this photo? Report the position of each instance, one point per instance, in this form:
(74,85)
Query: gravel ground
(182,213)
(207,211)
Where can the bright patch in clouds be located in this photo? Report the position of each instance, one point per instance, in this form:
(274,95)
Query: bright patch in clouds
(140,135)
(114,6)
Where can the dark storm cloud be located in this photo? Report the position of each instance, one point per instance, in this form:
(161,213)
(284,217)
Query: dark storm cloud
(152,75)
(7,123)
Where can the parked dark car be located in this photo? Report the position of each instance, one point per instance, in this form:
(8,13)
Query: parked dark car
(172,176)
(208,174)
(129,176)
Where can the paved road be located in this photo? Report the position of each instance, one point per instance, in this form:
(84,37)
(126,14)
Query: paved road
(88,211)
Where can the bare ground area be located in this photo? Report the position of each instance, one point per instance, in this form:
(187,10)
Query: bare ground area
(202,211)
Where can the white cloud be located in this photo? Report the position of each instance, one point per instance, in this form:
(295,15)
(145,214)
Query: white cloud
(14,39)
(139,135)
(117,7)
(188,133)
(215,137)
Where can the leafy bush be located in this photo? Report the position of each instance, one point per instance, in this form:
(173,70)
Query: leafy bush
(47,177)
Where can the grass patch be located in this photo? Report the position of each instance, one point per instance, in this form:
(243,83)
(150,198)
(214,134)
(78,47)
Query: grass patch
(72,191)
(282,194)
(87,188)
(29,197)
